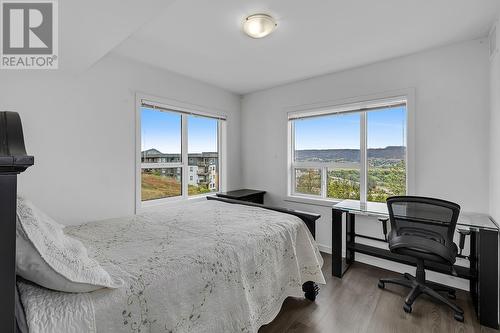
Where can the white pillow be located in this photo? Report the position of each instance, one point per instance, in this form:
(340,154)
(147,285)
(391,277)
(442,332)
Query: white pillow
(48,257)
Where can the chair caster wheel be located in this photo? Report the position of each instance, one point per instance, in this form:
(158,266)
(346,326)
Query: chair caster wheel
(381,285)
(407,308)
(459,317)
(452,295)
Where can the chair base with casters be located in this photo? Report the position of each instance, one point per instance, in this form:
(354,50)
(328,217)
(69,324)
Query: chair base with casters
(419,285)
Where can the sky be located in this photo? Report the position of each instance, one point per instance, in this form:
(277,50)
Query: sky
(161,130)
(385,128)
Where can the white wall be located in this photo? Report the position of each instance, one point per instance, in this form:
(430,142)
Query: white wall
(495,133)
(451,123)
(81,130)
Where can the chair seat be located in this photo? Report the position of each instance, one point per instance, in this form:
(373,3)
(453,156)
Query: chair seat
(419,246)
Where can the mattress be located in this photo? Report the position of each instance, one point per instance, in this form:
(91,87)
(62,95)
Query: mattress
(208,266)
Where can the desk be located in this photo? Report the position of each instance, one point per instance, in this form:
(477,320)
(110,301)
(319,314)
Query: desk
(483,257)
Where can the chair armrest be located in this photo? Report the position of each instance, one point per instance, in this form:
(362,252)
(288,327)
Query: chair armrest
(384,220)
(463,233)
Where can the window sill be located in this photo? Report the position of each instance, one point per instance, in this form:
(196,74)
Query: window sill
(172,201)
(311,201)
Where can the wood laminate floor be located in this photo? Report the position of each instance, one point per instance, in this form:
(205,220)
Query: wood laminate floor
(356,304)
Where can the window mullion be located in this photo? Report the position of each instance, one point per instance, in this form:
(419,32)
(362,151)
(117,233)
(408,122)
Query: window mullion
(291,161)
(363,172)
(184,153)
(219,150)
(324,182)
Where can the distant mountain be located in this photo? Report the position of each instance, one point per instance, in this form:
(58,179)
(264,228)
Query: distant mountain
(389,153)
(350,155)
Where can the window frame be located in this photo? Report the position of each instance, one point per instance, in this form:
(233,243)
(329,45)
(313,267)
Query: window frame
(354,105)
(185,110)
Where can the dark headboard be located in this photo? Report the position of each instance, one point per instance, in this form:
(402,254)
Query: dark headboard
(308,218)
(13,161)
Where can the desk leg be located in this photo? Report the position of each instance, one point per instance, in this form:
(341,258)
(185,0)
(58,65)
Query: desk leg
(337,243)
(473,281)
(350,237)
(487,278)
(339,264)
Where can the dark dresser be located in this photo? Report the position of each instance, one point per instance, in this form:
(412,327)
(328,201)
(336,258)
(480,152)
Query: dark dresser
(249,195)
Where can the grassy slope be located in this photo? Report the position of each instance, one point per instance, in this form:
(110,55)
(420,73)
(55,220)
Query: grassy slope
(156,187)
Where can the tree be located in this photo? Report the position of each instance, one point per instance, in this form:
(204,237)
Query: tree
(309,182)
(343,189)
(396,179)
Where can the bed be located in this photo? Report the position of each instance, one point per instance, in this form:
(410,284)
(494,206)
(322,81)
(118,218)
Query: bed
(211,266)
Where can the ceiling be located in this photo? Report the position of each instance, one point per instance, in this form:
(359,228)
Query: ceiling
(92,28)
(204,40)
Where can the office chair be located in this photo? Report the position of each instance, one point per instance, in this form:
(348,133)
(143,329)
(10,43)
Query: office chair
(423,228)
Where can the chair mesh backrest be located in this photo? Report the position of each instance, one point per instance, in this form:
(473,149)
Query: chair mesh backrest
(433,218)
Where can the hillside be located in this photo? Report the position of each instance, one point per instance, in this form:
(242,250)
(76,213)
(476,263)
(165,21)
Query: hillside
(350,155)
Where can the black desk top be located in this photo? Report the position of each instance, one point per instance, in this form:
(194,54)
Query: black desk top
(240,193)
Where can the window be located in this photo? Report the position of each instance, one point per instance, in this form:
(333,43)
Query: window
(202,154)
(161,174)
(179,153)
(354,152)
(386,142)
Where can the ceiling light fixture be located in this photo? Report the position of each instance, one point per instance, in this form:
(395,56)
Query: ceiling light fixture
(259,25)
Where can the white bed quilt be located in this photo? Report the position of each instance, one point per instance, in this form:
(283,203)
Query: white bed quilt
(204,267)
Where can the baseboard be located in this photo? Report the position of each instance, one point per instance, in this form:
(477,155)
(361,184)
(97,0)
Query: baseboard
(324,248)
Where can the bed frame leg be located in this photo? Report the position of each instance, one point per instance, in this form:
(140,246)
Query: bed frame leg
(8,185)
(311,290)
